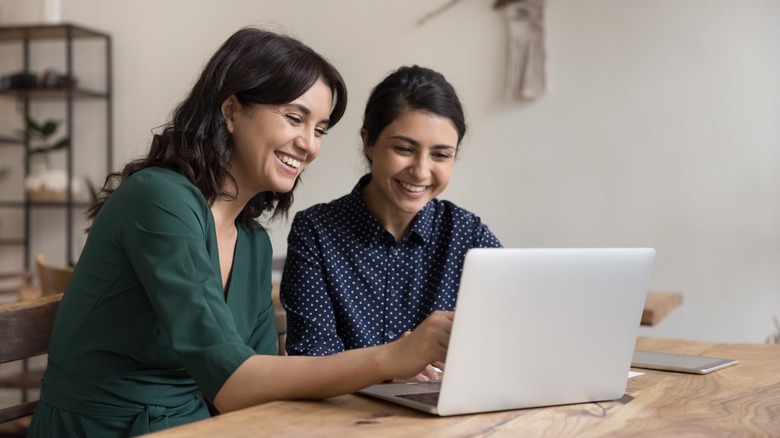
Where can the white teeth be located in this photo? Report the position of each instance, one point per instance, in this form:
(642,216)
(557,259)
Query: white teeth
(290,161)
(412,188)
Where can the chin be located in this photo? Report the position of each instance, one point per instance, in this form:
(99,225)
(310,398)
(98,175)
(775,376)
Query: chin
(412,209)
(284,187)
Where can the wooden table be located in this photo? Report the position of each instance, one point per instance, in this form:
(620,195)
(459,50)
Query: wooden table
(742,400)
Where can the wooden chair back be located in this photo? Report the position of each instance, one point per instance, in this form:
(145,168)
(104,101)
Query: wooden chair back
(280,318)
(52,279)
(25,330)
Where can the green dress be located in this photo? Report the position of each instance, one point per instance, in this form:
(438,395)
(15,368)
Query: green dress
(144,331)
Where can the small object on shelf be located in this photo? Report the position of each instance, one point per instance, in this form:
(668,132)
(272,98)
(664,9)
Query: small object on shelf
(19,81)
(53,79)
(52,11)
(50,185)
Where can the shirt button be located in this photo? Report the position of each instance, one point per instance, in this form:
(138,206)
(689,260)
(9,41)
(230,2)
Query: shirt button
(391,334)
(393,293)
(394,251)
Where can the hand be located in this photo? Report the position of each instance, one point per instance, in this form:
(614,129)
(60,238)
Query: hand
(430,373)
(423,348)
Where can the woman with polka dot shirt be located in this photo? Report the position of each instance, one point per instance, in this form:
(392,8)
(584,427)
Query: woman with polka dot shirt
(364,269)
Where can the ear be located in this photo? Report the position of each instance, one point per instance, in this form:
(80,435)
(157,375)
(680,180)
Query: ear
(229,108)
(368,151)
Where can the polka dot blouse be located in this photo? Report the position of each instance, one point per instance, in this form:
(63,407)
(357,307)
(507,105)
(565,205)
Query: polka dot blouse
(348,284)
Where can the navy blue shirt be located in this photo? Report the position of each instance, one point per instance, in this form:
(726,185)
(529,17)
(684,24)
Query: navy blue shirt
(348,284)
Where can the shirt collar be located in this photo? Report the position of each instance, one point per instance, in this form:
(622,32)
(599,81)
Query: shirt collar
(422,224)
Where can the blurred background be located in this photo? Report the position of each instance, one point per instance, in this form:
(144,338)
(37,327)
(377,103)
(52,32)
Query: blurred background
(659,127)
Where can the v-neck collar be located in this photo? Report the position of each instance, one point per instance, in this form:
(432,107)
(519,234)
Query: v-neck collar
(236,265)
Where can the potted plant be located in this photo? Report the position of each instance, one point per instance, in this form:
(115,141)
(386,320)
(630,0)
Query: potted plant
(45,184)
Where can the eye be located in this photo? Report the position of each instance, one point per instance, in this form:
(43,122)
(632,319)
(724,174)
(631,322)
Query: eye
(442,156)
(294,118)
(403,150)
(321,131)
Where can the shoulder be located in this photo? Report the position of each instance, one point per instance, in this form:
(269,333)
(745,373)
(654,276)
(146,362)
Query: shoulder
(159,184)
(156,194)
(454,222)
(443,209)
(327,211)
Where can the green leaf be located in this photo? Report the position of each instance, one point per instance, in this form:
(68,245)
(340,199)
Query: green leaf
(43,150)
(49,128)
(62,144)
(38,151)
(32,126)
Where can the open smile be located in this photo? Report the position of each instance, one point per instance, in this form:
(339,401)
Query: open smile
(412,188)
(289,161)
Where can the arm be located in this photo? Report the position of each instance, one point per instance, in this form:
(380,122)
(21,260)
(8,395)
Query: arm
(304,289)
(262,379)
(168,238)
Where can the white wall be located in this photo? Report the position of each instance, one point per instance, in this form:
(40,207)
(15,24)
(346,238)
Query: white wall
(660,127)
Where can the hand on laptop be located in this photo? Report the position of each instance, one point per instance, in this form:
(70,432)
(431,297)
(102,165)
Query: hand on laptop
(431,373)
(425,347)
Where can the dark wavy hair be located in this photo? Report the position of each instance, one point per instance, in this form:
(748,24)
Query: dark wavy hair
(411,88)
(258,67)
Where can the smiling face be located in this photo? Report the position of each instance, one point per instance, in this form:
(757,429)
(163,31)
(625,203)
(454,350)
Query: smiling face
(411,162)
(274,143)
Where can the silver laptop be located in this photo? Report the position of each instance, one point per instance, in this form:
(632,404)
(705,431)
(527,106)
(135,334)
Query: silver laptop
(537,327)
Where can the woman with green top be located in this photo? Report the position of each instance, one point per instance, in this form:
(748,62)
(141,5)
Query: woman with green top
(169,309)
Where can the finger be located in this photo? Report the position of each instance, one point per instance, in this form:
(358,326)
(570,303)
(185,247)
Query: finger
(445,314)
(430,373)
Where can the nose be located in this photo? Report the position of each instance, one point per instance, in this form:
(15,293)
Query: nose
(307,142)
(420,167)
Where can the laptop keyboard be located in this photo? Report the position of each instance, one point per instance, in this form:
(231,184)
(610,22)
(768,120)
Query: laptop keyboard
(429,398)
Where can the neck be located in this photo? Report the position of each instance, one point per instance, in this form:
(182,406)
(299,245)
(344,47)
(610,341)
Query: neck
(396,223)
(225,213)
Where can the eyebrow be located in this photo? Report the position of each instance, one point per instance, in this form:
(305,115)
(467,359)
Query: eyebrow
(414,142)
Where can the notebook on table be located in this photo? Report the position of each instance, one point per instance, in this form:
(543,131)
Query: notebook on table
(537,327)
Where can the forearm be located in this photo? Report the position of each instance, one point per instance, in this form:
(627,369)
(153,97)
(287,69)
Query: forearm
(261,379)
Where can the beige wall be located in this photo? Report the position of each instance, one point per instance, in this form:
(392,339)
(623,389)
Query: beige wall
(660,127)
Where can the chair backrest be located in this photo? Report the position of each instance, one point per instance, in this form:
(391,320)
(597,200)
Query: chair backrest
(52,279)
(280,317)
(25,330)
(280,320)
